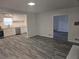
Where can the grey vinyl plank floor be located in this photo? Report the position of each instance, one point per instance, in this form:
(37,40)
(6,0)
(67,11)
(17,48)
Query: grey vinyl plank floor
(38,47)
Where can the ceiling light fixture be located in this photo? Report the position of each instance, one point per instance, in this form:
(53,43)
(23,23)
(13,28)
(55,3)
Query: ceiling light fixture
(31,4)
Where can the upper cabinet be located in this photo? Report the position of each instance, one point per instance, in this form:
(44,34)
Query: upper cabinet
(18,20)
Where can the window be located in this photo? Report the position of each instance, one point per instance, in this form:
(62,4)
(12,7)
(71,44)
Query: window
(8,21)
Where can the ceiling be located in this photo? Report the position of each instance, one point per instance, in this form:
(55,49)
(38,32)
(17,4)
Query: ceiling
(41,5)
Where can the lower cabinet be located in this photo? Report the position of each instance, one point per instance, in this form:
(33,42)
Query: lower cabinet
(20,30)
(23,30)
(14,31)
(9,32)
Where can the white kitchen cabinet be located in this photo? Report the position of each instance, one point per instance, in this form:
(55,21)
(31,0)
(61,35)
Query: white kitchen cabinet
(9,32)
(23,30)
(12,31)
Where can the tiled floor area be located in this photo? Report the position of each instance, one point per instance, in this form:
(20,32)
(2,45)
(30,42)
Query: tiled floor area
(21,47)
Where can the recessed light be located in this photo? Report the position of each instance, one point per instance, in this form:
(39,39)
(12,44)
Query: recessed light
(31,4)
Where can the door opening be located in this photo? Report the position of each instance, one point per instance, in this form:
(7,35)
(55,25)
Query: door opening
(61,28)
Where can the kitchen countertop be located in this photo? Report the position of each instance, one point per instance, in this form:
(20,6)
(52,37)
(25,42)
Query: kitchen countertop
(12,27)
(74,52)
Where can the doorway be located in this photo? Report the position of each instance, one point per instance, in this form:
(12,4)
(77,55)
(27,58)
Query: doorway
(61,28)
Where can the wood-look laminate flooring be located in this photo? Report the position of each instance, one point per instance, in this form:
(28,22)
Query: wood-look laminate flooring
(21,47)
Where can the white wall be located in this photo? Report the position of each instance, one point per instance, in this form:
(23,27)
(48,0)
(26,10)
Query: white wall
(31,24)
(45,22)
(45,27)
